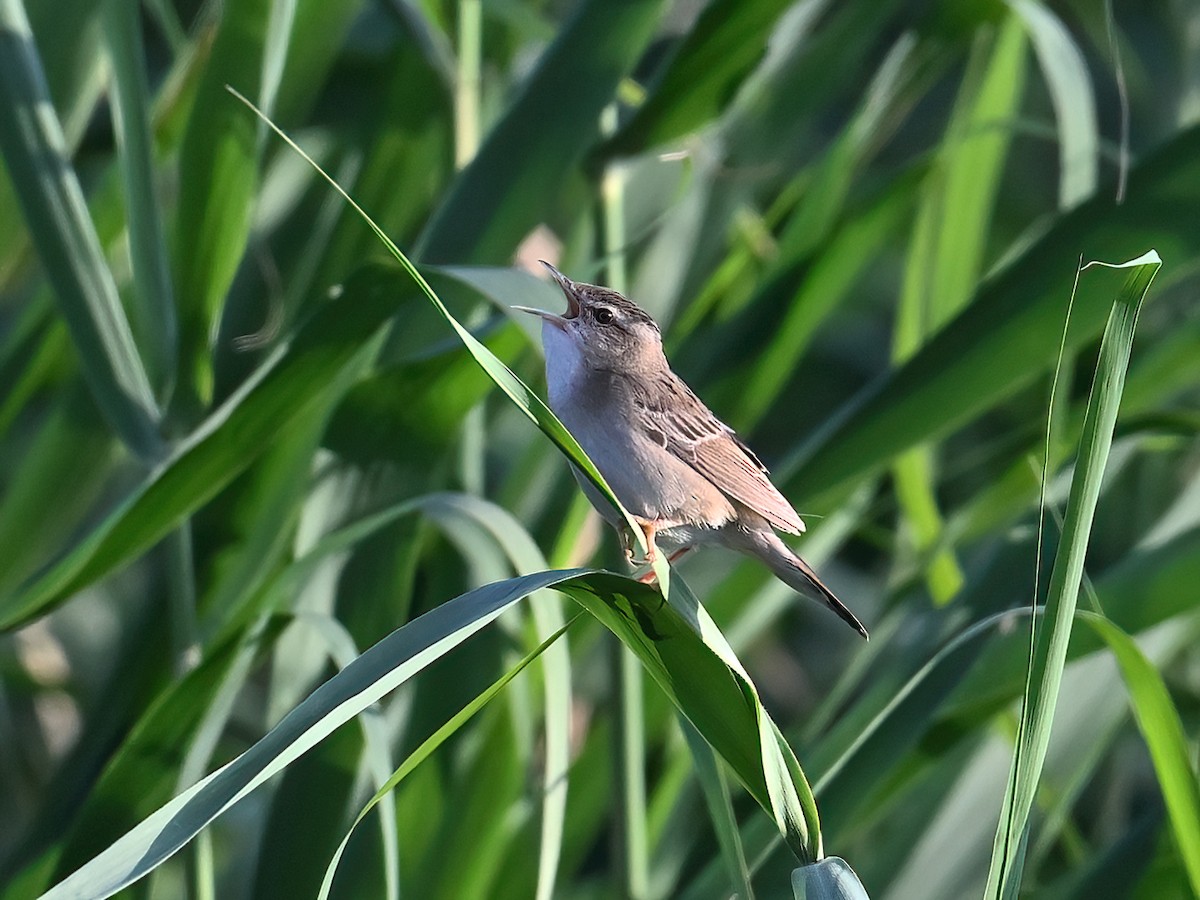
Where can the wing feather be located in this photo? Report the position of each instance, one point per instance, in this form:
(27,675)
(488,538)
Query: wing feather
(681,422)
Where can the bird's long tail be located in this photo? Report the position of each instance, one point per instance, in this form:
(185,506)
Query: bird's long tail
(798,575)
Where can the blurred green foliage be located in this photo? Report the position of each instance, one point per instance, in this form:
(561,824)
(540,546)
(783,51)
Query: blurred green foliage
(222,422)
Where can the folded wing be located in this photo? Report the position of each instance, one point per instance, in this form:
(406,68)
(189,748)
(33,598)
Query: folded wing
(681,422)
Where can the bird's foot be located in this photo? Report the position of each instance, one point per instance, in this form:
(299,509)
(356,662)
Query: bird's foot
(629,543)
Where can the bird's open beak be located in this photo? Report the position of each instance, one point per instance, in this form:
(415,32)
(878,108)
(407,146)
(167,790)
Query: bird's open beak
(568,289)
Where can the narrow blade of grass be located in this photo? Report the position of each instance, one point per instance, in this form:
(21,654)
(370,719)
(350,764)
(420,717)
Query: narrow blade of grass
(1049,642)
(555,669)
(218,177)
(720,50)
(1070,88)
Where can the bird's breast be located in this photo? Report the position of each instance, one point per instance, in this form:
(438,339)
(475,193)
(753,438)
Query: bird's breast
(565,368)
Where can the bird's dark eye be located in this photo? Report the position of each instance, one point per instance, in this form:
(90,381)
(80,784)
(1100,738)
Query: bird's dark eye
(603,315)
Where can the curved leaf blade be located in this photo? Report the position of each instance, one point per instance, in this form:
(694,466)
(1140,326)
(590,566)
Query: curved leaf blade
(1163,731)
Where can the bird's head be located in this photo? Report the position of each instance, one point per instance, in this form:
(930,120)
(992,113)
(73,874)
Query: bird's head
(609,331)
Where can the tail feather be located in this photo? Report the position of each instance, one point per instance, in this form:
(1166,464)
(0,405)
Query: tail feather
(810,580)
(799,575)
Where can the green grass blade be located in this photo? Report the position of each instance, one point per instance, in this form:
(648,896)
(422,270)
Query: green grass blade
(152,304)
(629,751)
(841,253)
(1050,641)
(555,673)
(377,750)
(1163,732)
(846,256)
(275,50)
(435,740)
(145,770)
(49,477)
(312,369)
(35,152)
(218,176)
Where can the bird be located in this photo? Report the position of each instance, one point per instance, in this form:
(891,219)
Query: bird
(685,476)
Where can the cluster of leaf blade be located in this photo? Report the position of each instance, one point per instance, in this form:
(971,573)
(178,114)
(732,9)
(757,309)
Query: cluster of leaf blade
(862,243)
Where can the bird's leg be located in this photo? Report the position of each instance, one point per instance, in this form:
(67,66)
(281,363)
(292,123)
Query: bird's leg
(649,527)
(628,543)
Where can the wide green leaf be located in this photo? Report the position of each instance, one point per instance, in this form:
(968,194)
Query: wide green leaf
(728,40)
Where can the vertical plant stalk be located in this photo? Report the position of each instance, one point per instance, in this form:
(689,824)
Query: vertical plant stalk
(719,801)
(633,833)
(466,84)
(152,299)
(35,150)
(152,302)
(1049,641)
(466,144)
(181,596)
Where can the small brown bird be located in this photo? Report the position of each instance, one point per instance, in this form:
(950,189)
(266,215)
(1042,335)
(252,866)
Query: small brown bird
(682,473)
